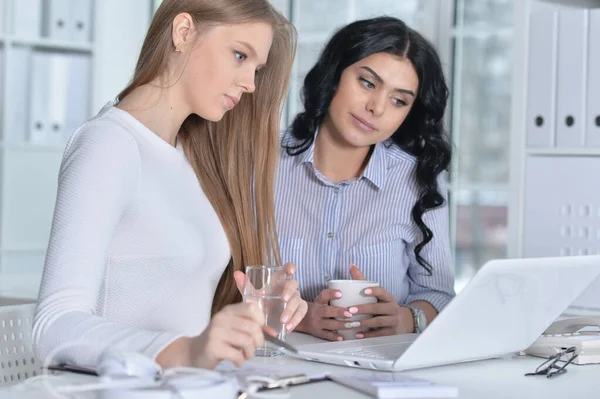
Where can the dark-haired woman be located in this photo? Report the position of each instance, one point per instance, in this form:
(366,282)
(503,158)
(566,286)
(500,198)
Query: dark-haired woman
(361,187)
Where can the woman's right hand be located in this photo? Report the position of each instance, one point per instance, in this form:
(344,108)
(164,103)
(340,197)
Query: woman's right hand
(233,334)
(320,318)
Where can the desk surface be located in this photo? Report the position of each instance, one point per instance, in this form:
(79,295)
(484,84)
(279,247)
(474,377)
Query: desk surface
(490,379)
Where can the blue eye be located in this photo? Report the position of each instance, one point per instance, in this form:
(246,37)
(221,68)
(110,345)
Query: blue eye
(367,84)
(240,56)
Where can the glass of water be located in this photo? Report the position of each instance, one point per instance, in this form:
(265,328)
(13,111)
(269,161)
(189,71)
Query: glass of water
(264,286)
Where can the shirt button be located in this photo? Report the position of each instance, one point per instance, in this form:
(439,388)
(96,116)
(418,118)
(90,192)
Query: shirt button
(330,235)
(336,190)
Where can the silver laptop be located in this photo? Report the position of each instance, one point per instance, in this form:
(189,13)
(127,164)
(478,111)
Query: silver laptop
(505,307)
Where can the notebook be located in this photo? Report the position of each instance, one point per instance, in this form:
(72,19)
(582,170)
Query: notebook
(388,385)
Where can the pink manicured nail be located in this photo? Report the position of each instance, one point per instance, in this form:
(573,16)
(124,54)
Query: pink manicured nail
(338,294)
(368,291)
(347,314)
(360,336)
(286,297)
(340,338)
(284,319)
(353,309)
(289,327)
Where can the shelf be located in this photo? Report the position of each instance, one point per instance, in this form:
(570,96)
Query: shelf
(20,286)
(573,3)
(33,147)
(50,44)
(569,152)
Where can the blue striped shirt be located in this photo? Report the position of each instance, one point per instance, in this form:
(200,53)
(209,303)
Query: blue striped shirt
(324,227)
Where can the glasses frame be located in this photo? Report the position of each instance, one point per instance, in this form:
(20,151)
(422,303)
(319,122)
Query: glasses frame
(551,369)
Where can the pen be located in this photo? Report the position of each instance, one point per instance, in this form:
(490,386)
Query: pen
(72,369)
(280,343)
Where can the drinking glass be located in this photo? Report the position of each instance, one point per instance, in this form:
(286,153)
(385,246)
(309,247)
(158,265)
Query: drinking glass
(264,286)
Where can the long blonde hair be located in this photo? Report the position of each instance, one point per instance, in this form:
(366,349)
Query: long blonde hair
(235,159)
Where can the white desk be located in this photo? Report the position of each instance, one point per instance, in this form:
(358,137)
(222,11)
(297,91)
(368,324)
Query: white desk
(490,379)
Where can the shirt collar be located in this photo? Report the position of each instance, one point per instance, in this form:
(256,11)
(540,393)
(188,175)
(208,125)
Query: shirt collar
(308,156)
(375,172)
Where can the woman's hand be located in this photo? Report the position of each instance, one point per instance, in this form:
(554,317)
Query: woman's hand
(233,334)
(295,308)
(320,320)
(389,317)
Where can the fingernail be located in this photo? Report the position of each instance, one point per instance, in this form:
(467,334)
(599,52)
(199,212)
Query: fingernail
(352,324)
(289,327)
(340,338)
(368,291)
(286,297)
(338,294)
(347,314)
(360,336)
(284,319)
(353,309)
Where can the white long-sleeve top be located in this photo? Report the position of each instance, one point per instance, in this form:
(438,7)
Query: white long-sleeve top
(136,249)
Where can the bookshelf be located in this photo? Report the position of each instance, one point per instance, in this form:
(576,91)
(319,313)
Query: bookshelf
(554,204)
(60,62)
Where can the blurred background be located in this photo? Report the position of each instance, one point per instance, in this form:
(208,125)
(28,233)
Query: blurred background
(85,51)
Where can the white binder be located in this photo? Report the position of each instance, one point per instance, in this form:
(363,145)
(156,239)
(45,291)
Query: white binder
(57,108)
(593,83)
(17,84)
(572,76)
(541,77)
(80,20)
(27,18)
(60,96)
(58,19)
(77,93)
(40,98)
(2,16)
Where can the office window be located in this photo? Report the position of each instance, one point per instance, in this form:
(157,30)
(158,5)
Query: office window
(480,128)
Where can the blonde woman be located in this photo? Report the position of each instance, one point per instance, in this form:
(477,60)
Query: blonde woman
(167,194)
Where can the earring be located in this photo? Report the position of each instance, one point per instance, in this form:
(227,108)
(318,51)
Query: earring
(177,49)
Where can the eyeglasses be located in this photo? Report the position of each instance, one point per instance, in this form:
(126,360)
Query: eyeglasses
(550,368)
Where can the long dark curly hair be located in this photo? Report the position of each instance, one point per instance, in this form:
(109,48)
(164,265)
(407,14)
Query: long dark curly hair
(421,134)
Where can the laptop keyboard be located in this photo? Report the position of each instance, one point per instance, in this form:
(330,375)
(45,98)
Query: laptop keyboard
(383,352)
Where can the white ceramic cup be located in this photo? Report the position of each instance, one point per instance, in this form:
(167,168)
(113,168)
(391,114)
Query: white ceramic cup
(353,293)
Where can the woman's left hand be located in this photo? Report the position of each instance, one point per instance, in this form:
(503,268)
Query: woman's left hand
(389,317)
(295,308)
